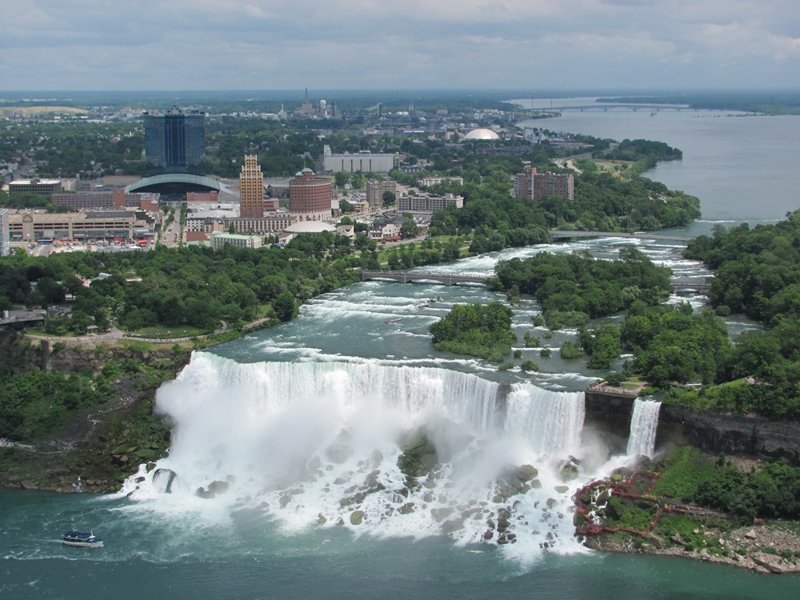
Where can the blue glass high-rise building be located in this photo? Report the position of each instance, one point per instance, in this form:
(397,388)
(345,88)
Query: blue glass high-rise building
(174,142)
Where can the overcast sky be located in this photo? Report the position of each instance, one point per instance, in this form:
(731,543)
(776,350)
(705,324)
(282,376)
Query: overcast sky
(419,44)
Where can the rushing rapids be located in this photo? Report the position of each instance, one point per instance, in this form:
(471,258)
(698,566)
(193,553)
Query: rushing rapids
(319,444)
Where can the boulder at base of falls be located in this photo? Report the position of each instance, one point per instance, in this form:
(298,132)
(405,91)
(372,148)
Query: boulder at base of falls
(356,517)
(526,472)
(214,489)
(163,479)
(418,457)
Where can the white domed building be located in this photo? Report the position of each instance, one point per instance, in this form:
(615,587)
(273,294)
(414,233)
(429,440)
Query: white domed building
(481,134)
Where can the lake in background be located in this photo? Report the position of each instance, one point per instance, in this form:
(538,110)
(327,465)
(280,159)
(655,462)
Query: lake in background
(742,167)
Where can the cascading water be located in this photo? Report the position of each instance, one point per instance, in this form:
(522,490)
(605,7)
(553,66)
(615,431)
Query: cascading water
(318,443)
(644,426)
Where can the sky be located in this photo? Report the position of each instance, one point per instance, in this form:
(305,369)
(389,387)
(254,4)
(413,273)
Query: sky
(399,44)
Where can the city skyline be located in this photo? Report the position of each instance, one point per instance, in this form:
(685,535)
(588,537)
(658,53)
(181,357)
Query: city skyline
(357,44)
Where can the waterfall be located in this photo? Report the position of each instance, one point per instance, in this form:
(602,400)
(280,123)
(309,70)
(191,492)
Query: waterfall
(320,443)
(551,421)
(644,425)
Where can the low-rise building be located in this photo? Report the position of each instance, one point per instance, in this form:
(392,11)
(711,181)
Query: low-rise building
(436,180)
(43,187)
(363,162)
(33,226)
(220,240)
(426,203)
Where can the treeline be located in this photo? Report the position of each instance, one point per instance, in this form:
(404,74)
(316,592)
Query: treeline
(645,153)
(771,490)
(476,330)
(195,287)
(757,273)
(28,200)
(673,344)
(570,283)
(429,252)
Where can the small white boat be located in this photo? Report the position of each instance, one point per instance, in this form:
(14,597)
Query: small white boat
(82,539)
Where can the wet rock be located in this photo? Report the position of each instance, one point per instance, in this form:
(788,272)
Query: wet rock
(773,563)
(488,534)
(285,499)
(218,487)
(568,472)
(551,502)
(406,509)
(338,452)
(356,517)
(418,457)
(440,514)
(321,519)
(452,526)
(562,489)
(535,484)
(372,478)
(526,472)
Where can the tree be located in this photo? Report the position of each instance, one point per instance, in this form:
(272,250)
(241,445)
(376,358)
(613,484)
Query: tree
(409,228)
(341,178)
(389,198)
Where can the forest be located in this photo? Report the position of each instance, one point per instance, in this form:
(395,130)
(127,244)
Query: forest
(195,287)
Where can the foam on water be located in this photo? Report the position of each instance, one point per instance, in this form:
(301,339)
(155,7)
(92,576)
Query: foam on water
(316,444)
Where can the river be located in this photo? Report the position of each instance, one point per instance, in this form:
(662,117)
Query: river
(301,427)
(743,167)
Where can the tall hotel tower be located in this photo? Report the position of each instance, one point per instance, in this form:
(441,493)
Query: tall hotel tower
(174,142)
(251,188)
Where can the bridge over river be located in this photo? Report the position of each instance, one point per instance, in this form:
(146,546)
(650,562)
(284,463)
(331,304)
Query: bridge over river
(679,286)
(559,234)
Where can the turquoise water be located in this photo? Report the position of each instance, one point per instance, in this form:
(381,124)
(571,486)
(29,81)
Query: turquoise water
(153,557)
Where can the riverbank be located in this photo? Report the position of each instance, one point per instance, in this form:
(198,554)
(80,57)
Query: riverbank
(634,511)
(92,446)
(764,549)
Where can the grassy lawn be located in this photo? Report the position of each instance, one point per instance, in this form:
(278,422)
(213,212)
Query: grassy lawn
(167,332)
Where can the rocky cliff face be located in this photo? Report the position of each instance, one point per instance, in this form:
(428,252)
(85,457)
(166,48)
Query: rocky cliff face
(731,434)
(100,444)
(714,432)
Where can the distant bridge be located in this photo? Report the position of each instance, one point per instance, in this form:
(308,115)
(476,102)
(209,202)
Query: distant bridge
(608,107)
(558,234)
(678,286)
(690,286)
(412,276)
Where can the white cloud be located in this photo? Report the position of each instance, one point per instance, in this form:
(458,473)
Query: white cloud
(413,43)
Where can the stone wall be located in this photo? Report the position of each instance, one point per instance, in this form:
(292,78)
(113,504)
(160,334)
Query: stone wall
(714,432)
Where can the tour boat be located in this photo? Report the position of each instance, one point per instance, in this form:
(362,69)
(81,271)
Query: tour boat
(83,539)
